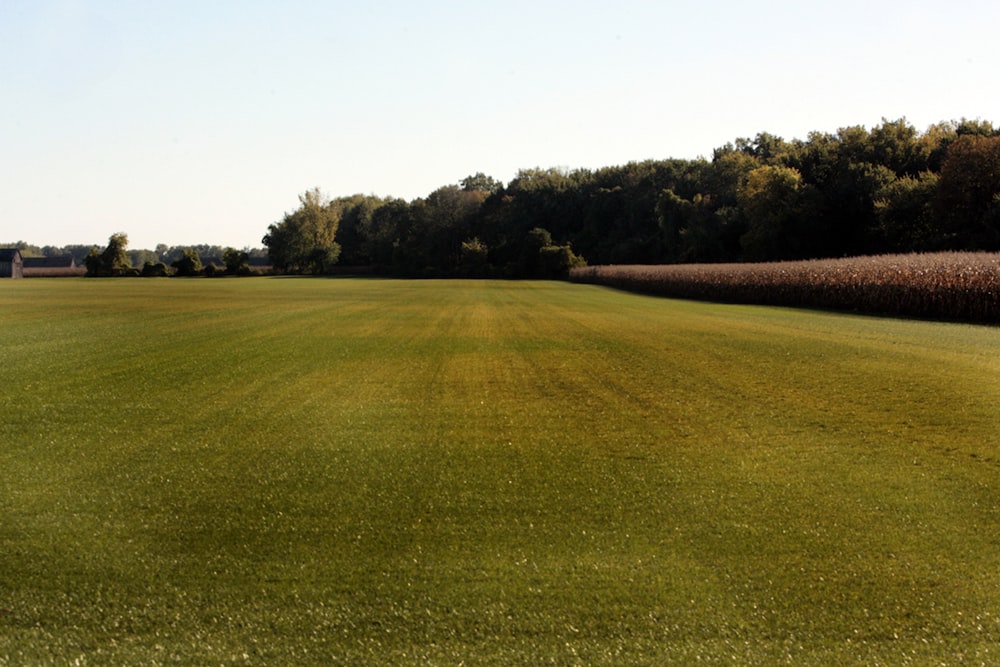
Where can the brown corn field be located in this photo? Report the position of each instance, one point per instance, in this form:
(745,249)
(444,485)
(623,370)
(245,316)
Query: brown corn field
(958,286)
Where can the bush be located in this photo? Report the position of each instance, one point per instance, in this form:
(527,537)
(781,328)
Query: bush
(157,270)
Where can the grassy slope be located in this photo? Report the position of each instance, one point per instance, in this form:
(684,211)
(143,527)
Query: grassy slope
(270,470)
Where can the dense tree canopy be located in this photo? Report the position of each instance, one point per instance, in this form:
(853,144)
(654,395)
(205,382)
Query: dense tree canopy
(850,192)
(968,194)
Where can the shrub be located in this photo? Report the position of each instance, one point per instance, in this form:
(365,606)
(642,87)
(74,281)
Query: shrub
(155,270)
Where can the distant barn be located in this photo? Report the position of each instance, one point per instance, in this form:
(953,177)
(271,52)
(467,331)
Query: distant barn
(11,263)
(62,265)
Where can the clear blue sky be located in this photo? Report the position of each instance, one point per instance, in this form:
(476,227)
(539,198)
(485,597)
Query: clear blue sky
(201,121)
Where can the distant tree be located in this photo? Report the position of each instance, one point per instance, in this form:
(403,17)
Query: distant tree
(236,261)
(977,127)
(545,259)
(848,192)
(725,175)
(381,233)
(431,243)
(848,216)
(482,183)
(905,215)
(112,261)
(894,145)
(93,263)
(78,251)
(115,256)
(140,257)
(765,147)
(777,205)
(537,239)
(355,215)
(968,195)
(557,200)
(189,264)
(155,270)
(474,258)
(698,230)
(305,240)
(557,260)
(27,249)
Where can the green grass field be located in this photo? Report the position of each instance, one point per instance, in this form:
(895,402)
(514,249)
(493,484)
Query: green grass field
(310,471)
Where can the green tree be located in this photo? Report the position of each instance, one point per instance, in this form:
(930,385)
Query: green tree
(765,147)
(474,259)
(776,203)
(93,263)
(305,240)
(236,261)
(355,215)
(140,257)
(544,259)
(381,232)
(904,210)
(894,145)
(968,195)
(440,222)
(482,183)
(697,230)
(557,260)
(112,261)
(848,219)
(189,264)
(977,127)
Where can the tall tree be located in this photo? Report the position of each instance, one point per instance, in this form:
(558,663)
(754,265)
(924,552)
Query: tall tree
(905,216)
(968,196)
(112,261)
(381,232)
(305,240)
(778,207)
(894,145)
(442,222)
(236,261)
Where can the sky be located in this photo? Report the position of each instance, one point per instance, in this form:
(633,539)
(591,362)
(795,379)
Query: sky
(201,121)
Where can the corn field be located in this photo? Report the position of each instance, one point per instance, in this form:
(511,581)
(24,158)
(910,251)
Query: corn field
(958,286)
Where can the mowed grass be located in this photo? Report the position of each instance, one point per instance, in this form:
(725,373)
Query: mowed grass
(296,471)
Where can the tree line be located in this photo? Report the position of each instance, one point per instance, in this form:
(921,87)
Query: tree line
(114,260)
(853,192)
(891,189)
(117,259)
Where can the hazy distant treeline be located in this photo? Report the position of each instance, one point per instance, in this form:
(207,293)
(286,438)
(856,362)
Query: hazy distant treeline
(137,258)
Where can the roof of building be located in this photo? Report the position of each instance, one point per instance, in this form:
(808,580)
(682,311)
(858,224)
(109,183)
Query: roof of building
(60,262)
(8,254)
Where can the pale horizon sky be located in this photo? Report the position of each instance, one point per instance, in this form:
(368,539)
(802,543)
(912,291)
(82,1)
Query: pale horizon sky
(201,121)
